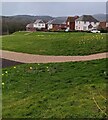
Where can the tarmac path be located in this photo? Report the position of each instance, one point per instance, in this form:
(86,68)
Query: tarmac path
(31,58)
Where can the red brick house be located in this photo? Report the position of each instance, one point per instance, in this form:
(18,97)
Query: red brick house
(103,26)
(70,22)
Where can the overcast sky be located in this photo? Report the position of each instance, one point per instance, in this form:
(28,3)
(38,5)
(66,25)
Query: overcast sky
(52,8)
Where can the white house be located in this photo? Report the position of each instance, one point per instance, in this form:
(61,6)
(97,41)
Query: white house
(49,24)
(86,23)
(39,24)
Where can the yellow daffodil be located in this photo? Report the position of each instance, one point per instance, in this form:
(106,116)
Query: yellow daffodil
(2,83)
(31,68)
(14,67)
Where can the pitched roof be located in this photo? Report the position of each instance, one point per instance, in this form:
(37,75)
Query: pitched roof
(39,21)
(72,19)
(31,25)
(57,21)
(87,18)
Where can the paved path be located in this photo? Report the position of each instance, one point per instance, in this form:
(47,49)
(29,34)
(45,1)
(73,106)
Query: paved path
(30,58)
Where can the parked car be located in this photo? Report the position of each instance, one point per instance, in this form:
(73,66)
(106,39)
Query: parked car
(67,30)
(95,31)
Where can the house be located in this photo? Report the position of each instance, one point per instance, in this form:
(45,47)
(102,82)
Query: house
(103,26)
(57,24)
(30,27)
(86,23)
(70,22)
(40,24)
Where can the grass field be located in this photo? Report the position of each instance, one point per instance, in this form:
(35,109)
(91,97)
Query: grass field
(55,43)
(55,90)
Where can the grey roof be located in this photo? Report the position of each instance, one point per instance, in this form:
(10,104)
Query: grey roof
(39,21)
(87,18)
(31,25)
(60,20)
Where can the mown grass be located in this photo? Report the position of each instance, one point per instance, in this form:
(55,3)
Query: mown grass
(55,90)
(55,43)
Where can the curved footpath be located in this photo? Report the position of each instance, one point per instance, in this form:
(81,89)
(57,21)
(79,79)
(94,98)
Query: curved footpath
(31,58)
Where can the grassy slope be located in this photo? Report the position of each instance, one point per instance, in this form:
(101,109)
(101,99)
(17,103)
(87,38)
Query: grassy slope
(55,43)
(55,90)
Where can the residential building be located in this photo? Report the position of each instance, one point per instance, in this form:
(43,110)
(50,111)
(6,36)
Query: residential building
(103,26)
(70,22)
(30,27)
(86,23)
(57,24)
(40,24)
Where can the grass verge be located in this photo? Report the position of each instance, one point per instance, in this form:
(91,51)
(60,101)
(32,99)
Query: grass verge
(55,90)
(55,43)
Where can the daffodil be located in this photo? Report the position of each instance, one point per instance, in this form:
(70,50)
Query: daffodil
(2,83)
(31,68)
(6,72)
(105,73)
(14,67)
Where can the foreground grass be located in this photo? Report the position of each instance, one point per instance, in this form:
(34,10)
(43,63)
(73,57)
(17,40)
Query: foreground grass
(56,90)
(55,43)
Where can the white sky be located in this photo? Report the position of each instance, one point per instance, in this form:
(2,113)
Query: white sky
(54,0)
(52,8)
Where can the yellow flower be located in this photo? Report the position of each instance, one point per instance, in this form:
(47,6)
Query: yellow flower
(14,67)
(6,72)
(38,64)
(47,67)
(2,83)
(31,68)
(2,74)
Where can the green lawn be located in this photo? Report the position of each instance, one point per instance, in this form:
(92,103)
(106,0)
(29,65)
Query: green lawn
(55,43)
(55,90)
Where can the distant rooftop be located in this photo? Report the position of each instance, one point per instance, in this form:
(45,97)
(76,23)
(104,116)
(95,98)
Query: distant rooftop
(31,25)
(87,18)
(58,20)
(39,21)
